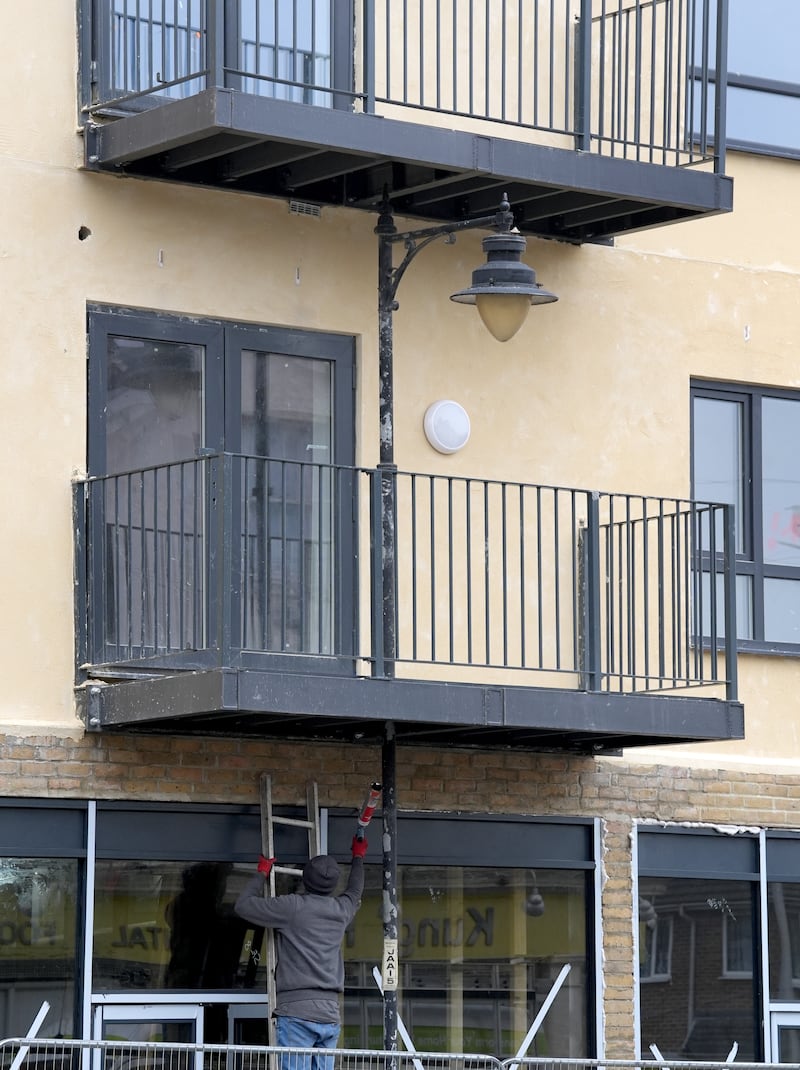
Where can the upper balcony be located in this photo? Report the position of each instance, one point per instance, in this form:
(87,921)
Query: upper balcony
(242,594)
(595,117)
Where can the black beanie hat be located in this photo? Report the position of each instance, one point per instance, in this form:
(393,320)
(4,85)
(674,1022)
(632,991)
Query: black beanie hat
(321,874)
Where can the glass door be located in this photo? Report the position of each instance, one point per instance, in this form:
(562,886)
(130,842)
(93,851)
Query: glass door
(145,1024)
(166,397)
(154,410)
(287,541)
(294,50)
(142,1023)
(213,1022)
(289,417)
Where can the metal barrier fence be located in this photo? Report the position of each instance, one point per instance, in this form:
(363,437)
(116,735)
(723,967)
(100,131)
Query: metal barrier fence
(21,1053)
(24,1054)
(224,557)
(631,78)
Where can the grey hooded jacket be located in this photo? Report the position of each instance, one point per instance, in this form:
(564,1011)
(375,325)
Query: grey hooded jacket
(309,929)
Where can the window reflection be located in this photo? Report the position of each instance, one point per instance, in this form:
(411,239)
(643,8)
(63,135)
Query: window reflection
(288,541)
(37,944)
(718,471)
(780,490)
(154,404)
(782,611)
(784,940)
(172,925)
(706,1001)
(481,949)
(656,948)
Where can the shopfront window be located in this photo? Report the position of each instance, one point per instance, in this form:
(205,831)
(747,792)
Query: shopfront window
(699,939)
(707,1001)
(481,950)
(38,944)
(171,925)
(784,940)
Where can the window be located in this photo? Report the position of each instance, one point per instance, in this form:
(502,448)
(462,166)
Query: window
(737,944)
(702,889)
(783,904)
(743,452)
(484,945)
(763,101)
(171,925)
(288,55)
(655,943)
(42,859)
(486,940)
(289,50)
(481,949)
(38,944)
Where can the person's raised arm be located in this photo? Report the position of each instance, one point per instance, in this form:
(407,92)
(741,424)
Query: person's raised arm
(355,883)
(253,907)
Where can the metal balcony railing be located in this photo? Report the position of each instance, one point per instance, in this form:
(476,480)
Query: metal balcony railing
(230,560)
(627,78)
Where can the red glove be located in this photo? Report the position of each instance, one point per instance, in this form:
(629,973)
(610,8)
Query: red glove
(265,865)
(358,847)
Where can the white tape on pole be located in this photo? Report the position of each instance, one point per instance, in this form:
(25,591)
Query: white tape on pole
(545,1007)
(401,1029)
(32,1032)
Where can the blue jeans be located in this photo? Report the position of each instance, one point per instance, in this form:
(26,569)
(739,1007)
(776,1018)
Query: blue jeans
(298,1033)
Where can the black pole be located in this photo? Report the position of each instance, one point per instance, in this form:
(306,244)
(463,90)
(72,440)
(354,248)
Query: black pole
(389,278)
(386,230)
(391,963)
(386,306)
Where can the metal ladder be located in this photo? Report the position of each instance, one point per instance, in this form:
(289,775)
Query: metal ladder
(268,822)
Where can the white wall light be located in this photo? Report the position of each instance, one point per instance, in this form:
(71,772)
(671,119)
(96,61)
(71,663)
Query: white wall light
(446,426)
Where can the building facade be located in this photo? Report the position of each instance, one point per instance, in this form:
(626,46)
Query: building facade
(564,639)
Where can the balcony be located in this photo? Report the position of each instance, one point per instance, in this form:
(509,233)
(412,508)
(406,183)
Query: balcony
(597,118)
(247,595)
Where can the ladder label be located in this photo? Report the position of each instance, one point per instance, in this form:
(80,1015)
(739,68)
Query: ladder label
(390,965)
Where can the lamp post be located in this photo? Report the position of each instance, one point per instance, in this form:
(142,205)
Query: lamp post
(503,289)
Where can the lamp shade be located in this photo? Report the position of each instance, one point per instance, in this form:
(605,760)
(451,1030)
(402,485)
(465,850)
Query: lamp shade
(504,288)
(503,314)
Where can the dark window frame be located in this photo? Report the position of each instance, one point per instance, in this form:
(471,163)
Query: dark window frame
(740,77)
(751,562)
(696,854)
(53,829)
(223,342)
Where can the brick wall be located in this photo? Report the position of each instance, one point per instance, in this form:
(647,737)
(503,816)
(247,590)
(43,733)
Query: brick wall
(201,769)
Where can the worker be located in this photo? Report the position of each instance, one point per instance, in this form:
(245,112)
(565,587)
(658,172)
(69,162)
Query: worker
(309,929)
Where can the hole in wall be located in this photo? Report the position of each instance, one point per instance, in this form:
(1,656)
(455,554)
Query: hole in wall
(84,233)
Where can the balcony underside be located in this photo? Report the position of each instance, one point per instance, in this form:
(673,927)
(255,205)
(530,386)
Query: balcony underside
(227,139)
(355,709)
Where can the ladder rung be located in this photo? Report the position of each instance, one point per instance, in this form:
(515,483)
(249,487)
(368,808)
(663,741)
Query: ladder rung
(297,821)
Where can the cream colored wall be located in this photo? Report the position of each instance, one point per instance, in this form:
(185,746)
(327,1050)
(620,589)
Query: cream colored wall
(749,264)
(593,392)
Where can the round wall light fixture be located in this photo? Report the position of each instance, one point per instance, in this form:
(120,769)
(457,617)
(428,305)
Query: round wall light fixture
(446,426)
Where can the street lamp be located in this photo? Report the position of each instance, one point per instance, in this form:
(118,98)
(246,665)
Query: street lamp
(503,289)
